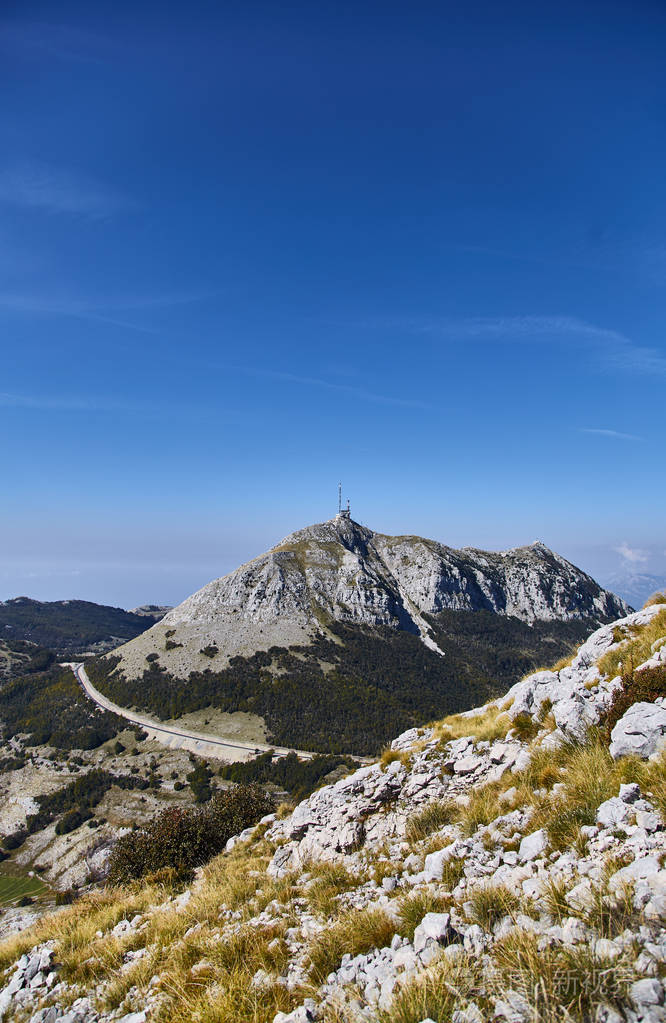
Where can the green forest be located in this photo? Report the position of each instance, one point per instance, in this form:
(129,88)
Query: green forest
(353,695)
(68,626)
(298,777)
(52,709)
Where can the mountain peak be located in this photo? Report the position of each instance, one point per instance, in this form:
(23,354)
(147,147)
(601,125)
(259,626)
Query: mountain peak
(340,529)
(340,572)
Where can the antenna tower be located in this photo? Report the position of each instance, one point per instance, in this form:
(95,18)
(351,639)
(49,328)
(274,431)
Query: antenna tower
(339,498)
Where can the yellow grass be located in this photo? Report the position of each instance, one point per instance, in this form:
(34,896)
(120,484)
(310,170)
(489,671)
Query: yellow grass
(635,648)
(490,725)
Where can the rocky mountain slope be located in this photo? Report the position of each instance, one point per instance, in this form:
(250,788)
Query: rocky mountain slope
(340,571)
(507,864)
(380,632)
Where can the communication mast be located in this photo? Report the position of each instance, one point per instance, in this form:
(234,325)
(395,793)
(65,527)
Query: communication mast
(343,513)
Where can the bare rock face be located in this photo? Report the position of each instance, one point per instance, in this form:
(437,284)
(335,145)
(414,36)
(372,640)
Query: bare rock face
(340,571)
(355,575)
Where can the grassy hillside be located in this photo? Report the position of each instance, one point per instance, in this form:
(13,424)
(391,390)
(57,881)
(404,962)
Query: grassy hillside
(69,626)
(352,691)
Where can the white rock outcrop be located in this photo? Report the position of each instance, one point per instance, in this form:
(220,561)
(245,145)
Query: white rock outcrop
(641,731)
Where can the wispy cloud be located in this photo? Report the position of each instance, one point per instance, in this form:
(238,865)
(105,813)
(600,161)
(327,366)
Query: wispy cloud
(56,190)
(356,392)
(613,349)
(110,404)
(63,403)
(616,434)
(99,310)
(633,555)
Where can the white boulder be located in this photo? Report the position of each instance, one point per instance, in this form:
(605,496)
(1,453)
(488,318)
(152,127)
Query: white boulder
(640,732)
(533,845)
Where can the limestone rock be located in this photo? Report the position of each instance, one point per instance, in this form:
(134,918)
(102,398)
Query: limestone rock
(641,731)
(533,845)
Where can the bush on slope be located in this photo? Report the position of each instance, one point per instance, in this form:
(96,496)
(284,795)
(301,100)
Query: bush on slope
(183,838)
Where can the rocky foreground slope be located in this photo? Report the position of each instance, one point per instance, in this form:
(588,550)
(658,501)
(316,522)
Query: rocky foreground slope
(505,864)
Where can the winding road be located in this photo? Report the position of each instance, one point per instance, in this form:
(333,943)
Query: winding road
(203,744)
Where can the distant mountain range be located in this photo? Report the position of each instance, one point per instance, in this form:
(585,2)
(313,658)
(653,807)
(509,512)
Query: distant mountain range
(339,636)
(72,627)
(636,587)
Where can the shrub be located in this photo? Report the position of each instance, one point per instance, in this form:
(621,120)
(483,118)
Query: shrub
(15,840)
(638,687)
(186,838)
(210,650)
(199,780)
(171,644)
(118,747)
(151,658)
(71,820)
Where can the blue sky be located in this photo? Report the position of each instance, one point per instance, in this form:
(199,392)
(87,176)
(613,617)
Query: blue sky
(247,250)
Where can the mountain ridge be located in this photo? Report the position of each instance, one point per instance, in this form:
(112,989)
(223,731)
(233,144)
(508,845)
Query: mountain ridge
(338,635)
(70,626)
(341,571)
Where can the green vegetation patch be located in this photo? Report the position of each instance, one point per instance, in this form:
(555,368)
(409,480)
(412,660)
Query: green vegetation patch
(80,796)
(298,777)
(18,657)
(184,838)
(53,710)
(67,626)
(378,681)
(13,889)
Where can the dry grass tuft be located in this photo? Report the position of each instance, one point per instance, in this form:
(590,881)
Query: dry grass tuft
(559,983)
(491,903)
(432,817)
(389,756)
(490,725)
(635,648)
(328,881)
(356,932)
(435,994)
(413,908)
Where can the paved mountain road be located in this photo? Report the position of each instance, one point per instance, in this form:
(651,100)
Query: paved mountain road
(208,745)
